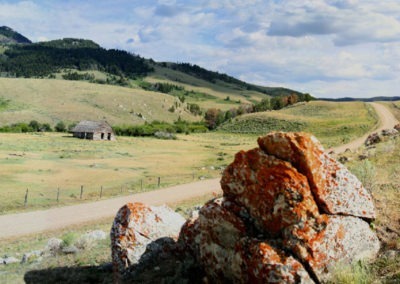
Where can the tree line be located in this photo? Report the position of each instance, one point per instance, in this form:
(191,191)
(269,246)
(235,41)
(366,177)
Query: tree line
(44,59)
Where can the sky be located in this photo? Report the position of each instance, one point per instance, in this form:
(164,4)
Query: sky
(328,48)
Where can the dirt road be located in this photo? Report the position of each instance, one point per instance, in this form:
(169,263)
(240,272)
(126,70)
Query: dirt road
(387,120)
(51,219)
(39,221)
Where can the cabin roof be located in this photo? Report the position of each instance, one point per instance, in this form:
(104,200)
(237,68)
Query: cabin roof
(92,126)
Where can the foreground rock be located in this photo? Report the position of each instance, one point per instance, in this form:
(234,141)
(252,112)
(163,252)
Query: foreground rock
(136,226)
(290,214)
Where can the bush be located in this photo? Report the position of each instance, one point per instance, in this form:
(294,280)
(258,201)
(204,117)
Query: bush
(60,127)
(68,239)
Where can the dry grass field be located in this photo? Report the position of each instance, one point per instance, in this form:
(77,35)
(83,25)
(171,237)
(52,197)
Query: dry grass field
(50,100)
(43,163)
(332,123)
(220,90)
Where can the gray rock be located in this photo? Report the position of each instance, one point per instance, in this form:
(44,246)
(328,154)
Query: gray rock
(389,132)
(70,250)
(10,260)
(137,225)
(53,245)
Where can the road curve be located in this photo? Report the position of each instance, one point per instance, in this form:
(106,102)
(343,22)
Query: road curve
(386,120)
(20,224)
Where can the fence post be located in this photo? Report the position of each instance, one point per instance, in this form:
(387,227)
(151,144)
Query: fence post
(81,191)
(159,181)
(26,198)
(141,184)
(193,175)
(58,194)
(101,192)
(121,189)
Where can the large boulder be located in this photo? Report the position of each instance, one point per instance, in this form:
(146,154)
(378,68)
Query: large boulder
(134,228)
(336,190)
(290,214)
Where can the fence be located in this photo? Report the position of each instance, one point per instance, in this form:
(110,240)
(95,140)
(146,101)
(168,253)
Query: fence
(43,198)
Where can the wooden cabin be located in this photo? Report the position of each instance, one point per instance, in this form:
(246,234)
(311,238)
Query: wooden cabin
(93,130)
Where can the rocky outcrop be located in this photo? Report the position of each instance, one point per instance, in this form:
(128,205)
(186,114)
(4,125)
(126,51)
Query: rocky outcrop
(290,213)
(135,226)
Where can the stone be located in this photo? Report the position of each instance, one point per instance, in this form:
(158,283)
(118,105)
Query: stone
(10,260)
(335,189)
(229,255)
(53,246)
(329,240)
(70,250)
(275,193)
(135,226)
(372,139)
(397,127)
(390,132)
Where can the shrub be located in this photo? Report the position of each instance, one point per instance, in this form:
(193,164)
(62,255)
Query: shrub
(68,239)
(60,127)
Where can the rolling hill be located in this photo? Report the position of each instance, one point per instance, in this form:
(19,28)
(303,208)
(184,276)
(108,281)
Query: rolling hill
(73,79)
(331,122)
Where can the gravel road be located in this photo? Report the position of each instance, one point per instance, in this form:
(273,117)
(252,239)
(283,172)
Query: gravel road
(14,225)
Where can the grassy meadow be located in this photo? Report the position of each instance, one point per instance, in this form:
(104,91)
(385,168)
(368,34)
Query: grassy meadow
(43,163)
(332,123)
(52,100)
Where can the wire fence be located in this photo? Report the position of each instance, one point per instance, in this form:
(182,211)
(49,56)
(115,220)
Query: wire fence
(31,198)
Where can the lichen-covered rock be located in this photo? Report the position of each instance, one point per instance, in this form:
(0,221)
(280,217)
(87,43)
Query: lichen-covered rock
(336,190)
(229,255)
(275,194)
(137,225)
(330,240)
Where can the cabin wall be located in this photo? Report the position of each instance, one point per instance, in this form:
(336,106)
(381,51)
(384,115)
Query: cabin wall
(98,135)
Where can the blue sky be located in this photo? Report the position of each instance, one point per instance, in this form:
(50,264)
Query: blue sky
(329,48)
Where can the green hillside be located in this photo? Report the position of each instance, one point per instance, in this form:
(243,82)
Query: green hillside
(50,100)
(331,122)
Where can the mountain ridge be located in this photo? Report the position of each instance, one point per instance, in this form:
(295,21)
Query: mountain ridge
(9,36)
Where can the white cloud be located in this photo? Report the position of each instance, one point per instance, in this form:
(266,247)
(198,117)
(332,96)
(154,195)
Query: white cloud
(324,47)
